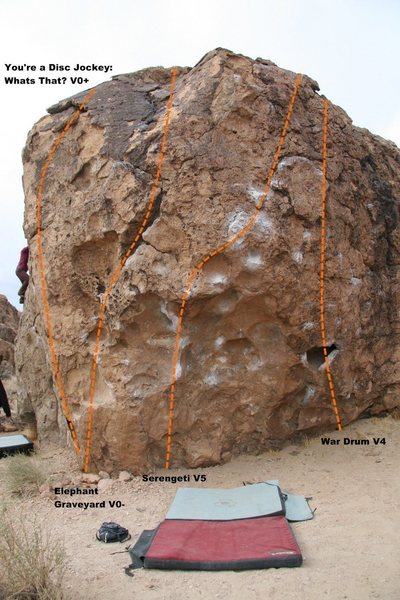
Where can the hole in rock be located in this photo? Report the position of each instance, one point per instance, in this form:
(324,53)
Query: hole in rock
(315,356)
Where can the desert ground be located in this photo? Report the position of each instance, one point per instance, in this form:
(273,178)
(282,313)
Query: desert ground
(351,548)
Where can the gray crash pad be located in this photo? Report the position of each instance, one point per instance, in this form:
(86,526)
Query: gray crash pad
(258,500)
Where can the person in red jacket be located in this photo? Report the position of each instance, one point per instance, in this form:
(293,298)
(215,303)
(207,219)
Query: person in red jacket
(22,273)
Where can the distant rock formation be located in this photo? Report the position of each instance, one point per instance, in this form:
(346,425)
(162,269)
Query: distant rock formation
(251,372)
(9,321)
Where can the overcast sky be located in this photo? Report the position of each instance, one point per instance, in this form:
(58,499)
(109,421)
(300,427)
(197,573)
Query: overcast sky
(351,47)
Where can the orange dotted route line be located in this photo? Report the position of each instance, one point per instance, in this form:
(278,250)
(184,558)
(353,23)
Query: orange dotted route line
(41,268)
(119,269)
(220,249)
(322,270)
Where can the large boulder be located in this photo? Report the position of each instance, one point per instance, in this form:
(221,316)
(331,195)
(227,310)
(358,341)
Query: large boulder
(251,371)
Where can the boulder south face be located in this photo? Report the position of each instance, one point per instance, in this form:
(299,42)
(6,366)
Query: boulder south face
(250,372)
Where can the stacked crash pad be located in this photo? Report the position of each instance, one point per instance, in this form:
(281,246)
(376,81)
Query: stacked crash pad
(219,529)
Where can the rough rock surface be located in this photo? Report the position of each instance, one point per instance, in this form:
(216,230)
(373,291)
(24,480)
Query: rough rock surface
(9,321)
(250,373)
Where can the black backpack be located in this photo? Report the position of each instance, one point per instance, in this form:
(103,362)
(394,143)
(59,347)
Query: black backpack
(112,532)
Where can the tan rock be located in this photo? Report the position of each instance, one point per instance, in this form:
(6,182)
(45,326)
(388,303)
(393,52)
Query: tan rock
(90,478)
(249,371)
(30,431)
(104,475)
(105,484)
(124,476)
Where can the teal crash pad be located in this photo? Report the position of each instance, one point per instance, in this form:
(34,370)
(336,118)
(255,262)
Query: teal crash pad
(258,500)
(297,508)
(14,444)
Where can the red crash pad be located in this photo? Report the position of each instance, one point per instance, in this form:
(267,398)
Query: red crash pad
(215,545)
